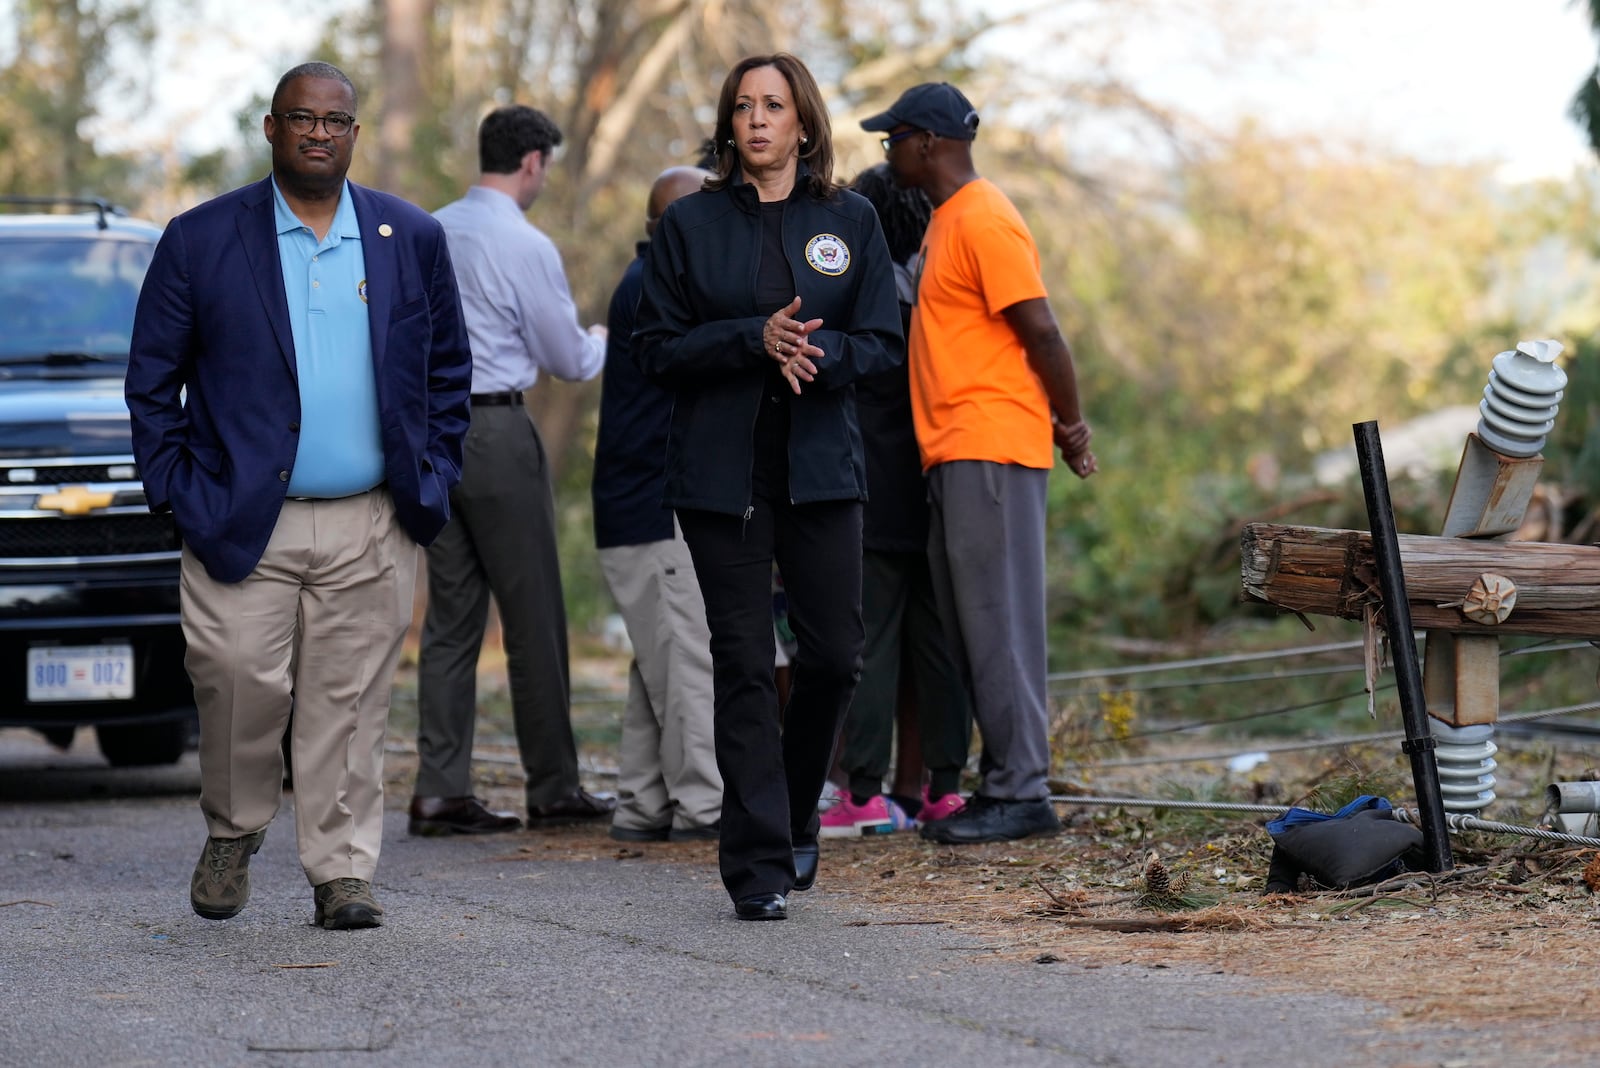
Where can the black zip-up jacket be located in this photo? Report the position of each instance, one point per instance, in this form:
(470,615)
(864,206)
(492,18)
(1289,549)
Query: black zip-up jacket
(698,333)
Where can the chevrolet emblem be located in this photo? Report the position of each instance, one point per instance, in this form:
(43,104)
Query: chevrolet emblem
(74,500)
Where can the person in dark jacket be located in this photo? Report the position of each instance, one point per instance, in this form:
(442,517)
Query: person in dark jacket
(765,296)
(668,785)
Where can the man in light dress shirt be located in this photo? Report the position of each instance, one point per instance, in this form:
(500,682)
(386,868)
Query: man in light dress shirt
(501,539)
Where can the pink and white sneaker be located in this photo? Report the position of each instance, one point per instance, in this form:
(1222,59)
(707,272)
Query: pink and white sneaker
(944,808)
(846,819)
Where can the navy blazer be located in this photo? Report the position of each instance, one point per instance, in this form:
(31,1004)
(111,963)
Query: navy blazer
(212,386)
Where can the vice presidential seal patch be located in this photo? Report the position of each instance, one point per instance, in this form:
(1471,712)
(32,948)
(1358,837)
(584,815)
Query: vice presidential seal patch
(828,254)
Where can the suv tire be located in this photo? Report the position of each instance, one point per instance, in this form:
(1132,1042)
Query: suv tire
(129,745)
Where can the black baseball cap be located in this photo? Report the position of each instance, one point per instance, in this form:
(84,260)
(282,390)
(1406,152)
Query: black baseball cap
(937,107)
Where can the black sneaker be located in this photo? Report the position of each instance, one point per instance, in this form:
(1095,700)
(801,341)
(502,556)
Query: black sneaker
(639,834)
(701,832)
(989,819)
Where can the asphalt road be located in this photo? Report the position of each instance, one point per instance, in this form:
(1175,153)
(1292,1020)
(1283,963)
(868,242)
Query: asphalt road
(494,955)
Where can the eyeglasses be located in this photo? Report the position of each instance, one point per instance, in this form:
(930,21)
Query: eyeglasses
(301,123)
(888,142)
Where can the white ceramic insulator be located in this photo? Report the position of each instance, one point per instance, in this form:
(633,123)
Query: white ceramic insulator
(1520,402)
(1465,758)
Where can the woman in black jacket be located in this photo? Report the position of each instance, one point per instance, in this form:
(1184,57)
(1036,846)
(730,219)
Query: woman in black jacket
(764,456)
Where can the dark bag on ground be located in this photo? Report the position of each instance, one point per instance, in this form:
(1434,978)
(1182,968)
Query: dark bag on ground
(1361,843)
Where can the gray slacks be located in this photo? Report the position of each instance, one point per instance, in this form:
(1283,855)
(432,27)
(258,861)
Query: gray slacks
(986,551)
(501,540)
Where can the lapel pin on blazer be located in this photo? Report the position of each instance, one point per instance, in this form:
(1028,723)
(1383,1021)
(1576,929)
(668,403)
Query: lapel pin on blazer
(384,230)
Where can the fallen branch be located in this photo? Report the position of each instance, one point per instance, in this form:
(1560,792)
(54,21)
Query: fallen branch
(1408,879)
(1348,907)
(1132,925)
(1208,919)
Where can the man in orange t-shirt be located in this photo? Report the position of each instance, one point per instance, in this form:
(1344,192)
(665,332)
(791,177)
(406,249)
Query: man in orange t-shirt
(993,392)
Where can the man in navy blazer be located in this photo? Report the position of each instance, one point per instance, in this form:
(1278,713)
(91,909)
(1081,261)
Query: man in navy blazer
(298,384)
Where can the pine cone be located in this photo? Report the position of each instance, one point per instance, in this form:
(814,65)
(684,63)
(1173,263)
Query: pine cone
(1156,878)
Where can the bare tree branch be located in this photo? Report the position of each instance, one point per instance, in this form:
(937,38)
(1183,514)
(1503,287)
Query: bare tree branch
(617,120)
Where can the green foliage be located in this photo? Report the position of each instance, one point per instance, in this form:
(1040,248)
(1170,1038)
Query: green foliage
(1231,315)
(1351,780)
(1572,452)
(55,64)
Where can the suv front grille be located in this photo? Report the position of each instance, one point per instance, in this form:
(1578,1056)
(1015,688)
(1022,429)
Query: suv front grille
(45,475)
(88,536)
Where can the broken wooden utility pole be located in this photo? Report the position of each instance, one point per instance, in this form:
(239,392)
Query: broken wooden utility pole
(1464,588)
(1329,572)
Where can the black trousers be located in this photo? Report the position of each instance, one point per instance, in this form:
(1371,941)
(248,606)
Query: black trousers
(905,647)
(772,777)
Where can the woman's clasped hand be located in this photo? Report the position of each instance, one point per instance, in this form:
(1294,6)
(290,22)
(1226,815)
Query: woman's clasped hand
(788,340)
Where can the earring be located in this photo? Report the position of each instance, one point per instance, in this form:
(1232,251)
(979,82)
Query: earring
(803,139)
(730,142)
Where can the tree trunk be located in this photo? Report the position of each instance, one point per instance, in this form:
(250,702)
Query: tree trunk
(404,50)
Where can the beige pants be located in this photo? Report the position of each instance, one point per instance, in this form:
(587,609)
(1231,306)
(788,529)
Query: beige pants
(668,761)
(315,628)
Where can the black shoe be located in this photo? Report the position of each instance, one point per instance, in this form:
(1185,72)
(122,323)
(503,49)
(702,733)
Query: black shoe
(705,832)
(432,816)
(578,805)
(639,834)
(805,866)
(909,805)
(762,907)
(989,819)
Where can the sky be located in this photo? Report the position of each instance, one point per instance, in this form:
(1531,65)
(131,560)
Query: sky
(1442,80)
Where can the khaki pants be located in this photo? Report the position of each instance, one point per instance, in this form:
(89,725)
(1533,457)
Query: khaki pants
(668,755)
(316,628)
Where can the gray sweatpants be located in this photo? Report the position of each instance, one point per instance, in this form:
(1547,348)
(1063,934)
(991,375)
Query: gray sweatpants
(986,551)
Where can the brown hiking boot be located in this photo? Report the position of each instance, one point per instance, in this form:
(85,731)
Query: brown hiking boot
(221,882)
(344,904)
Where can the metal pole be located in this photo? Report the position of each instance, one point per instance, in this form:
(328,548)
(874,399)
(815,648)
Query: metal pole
(1419,742)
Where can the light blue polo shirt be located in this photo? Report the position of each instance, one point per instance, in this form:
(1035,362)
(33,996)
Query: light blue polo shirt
(340,450)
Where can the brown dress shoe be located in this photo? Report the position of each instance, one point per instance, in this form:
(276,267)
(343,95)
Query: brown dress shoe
(578,805)
(433,816)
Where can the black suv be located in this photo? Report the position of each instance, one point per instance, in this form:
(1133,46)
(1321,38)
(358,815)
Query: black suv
(89,630)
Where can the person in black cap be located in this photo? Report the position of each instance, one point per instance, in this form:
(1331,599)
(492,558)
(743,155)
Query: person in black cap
(993,389)
(909,686)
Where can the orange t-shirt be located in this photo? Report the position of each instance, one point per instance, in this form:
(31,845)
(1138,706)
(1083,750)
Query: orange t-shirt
(974,395)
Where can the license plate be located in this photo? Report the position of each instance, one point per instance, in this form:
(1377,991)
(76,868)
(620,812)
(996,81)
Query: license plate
(80,672)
